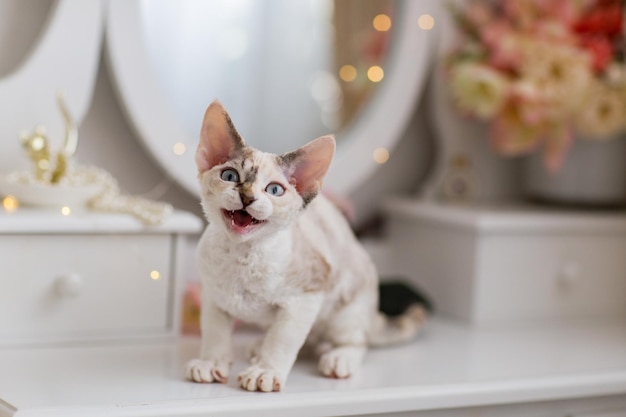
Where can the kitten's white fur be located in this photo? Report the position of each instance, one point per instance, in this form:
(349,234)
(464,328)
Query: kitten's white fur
(301,274)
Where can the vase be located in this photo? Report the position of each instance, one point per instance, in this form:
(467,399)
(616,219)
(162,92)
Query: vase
(592,175)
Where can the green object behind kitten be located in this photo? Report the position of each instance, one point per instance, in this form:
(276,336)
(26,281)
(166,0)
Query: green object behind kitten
(278,254)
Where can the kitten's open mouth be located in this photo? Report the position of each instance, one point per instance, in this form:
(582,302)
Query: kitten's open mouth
(241,221)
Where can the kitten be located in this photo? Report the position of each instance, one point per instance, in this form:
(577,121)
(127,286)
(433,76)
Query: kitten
(278,254)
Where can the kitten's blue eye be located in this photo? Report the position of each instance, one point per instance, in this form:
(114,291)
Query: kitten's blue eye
(230,175)
(275,189)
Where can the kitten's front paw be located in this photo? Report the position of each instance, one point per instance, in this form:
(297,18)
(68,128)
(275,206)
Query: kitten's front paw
(199,370)
(256,378)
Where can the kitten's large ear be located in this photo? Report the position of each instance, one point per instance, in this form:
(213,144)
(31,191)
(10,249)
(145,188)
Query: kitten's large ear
(307,166)
(218,138)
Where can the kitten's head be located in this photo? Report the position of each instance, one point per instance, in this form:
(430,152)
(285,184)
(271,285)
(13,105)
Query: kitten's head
(249,193)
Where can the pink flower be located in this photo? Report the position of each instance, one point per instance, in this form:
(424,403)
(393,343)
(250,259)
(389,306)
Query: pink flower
(565,11)
(534,107)
(511,135)
(504,45)
(527,122)
(557,144)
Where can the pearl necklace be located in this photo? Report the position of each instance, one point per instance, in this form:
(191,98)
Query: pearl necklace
(109,199)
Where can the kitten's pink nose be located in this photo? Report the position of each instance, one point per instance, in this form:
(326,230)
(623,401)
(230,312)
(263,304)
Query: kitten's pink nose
(246,193)
(247,199)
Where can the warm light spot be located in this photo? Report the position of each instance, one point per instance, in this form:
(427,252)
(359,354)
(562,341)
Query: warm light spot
(347,73)
(155,274)
(382,23)
(426,22)
(179,148)
(381,155)
(375,73)
(10,203)
(66,211)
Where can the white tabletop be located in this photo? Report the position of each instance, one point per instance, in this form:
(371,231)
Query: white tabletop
(448,366)
(40,221)
(509,217)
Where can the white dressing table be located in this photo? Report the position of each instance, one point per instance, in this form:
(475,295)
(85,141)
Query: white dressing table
(74,348)
(90,276)
(451,371)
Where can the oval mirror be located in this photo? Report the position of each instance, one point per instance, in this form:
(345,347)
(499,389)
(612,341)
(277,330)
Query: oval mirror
(287,71)
(63,55)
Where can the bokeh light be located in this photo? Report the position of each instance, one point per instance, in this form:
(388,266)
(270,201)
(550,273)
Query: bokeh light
(382,22)
(380,155)
(375,73)
(426,22)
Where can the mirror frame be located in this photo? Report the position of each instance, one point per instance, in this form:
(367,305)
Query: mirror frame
(65,57)
(456,134)
(380,124)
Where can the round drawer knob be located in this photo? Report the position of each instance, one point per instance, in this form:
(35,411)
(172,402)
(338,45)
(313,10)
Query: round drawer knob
(70,285)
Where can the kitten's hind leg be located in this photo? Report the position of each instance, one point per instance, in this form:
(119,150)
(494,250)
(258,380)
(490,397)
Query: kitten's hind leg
(344,343)
(341,361)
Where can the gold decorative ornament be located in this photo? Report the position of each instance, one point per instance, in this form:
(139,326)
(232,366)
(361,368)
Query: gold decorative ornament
(67,153)
(66,184)
(37,148)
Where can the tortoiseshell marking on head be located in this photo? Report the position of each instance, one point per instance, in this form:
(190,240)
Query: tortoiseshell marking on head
(285,161)
(307,198)
(250,174)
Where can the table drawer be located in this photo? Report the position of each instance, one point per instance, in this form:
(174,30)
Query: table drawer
(62,287)
(501,264)
(542,277)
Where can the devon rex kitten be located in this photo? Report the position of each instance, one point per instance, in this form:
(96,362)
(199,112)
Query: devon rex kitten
(277,254)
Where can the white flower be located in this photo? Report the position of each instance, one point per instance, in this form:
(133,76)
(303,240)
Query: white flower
(603,112)
(561,71)
(616,75)
(478,89)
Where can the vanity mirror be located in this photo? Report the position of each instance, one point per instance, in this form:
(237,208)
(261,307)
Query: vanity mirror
(56,59)
(288,71)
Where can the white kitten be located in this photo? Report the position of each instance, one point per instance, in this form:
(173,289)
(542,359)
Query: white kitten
(277,254)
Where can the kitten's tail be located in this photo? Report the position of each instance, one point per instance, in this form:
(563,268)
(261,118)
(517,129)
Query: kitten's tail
(388,330)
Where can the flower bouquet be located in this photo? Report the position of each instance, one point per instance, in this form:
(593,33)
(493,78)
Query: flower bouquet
(539,70)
